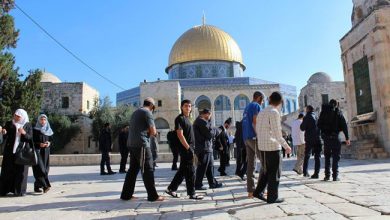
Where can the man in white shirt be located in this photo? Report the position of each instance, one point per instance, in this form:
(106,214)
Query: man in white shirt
(298,139)
(270,142)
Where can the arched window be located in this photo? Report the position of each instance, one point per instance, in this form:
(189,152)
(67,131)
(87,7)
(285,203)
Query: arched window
(240,102)
(203,102)
(222,109)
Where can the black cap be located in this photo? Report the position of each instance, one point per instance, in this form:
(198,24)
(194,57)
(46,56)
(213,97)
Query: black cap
(205,111)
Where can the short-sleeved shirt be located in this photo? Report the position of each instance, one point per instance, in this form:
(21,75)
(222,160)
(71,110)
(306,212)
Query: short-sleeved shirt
(184,123)
(248,131)
(140,122)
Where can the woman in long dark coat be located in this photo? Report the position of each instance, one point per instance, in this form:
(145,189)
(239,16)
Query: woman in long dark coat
(16,133)
(41,136)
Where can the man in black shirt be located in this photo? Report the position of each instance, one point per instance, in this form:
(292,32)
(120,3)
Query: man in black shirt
(141,128)
(331,123)
(122,141)
(222,143)
(105,148)
(204,136)
(185,134)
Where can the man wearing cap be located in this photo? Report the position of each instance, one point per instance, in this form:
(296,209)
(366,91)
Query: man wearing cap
(204,136)
(140,130)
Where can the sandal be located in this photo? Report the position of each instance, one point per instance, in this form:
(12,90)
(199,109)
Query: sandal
(172,193)
(196,197)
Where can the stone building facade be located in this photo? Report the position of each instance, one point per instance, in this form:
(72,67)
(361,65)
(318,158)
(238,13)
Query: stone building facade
(73,99)
(320,89)
(205,66)
(366,60)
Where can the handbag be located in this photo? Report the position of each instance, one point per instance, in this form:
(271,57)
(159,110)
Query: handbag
(26,155)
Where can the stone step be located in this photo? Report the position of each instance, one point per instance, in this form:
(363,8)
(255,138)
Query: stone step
(378,150)
(364,156)
(382,155)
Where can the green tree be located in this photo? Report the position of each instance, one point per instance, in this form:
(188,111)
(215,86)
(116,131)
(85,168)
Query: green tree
(15,93)
(64,130)
(122,117)
(101,113)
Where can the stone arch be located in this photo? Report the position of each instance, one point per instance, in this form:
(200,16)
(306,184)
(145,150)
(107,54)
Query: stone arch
(222,109)
(203,102)
(240,103)
(162,127)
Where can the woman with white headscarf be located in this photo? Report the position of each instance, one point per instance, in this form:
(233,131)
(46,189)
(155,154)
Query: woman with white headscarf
(16,133)
(41,136)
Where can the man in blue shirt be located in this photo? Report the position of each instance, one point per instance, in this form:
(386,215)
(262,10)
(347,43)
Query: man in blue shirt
(249,137)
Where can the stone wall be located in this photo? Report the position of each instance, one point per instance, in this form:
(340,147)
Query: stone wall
(370,38)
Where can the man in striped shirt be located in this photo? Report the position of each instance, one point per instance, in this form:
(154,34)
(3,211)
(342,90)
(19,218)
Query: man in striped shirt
(270,141)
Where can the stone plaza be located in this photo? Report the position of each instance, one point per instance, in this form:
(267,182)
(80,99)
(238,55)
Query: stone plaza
(79,192)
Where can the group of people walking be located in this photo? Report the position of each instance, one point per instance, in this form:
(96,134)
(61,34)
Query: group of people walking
(310,131)
(17,134)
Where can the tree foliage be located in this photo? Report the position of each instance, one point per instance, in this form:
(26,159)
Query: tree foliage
(14,92)
(103,112)
(64,130)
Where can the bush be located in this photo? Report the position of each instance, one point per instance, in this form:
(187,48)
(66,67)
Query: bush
(64,130)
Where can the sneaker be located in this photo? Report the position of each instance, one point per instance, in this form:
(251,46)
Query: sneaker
(278,200)
(202,188)
(327,178)
(314,176)
(299,173)
(218,185)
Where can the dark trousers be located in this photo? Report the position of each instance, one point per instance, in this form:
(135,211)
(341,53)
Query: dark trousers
(187,171)
(223,160)
(175,153)
(124,156)
(316,150)
(242,164)
(105,161)
(136,157)
(332,148)
(205,166)
(269,174)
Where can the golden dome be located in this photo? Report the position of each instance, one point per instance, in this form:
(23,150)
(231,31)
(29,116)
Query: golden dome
(205,42)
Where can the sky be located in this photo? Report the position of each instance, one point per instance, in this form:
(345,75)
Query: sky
(129,41)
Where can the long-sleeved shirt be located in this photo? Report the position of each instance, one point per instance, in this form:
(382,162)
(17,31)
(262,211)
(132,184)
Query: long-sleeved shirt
(269,130)
(298,136)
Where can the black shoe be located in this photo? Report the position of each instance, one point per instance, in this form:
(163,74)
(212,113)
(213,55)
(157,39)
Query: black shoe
(306,175)
(46,189)
(201,188)
(111,172)
(218,185)
(336,179)
(174,168)
(278,200)
(260,196)
(37,190)
(242,178)
(122,171)
(314,176)
(327,178)
(223,174)
(103,173)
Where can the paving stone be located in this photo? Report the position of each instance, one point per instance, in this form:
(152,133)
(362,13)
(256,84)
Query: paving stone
(385,210)
(176,216)
(352,210)
(304,209)
(375,217)
(328,216)
(257,211)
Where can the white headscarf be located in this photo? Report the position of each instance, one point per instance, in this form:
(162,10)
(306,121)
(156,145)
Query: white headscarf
(46,129)
(24,119)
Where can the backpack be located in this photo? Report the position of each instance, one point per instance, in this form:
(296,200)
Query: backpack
(172,138)
(328,121)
